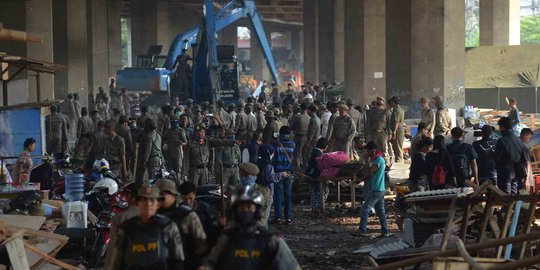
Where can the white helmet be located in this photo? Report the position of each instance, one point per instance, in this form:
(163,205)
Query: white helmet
(107,183)
(308,96)
(101,164)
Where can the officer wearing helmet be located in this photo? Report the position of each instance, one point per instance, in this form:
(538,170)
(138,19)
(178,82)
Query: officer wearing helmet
(245,244)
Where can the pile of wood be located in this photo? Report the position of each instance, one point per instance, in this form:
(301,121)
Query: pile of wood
(491,117)
(31,249)
(484,224)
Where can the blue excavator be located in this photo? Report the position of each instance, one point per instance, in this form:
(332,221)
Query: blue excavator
(214,73)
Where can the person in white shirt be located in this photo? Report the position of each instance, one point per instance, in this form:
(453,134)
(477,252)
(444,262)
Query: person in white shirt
(325,119)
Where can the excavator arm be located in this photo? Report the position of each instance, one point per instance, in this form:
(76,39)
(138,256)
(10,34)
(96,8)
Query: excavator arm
(227,15)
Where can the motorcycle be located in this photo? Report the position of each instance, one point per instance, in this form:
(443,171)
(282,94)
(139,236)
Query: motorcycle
(163,173)
(104,201)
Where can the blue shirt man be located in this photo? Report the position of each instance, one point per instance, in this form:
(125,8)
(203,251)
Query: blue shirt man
(375,191)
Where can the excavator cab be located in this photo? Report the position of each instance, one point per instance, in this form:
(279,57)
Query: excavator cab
(152,58)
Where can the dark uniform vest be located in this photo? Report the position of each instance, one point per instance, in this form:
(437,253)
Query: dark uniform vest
(144,246)
(247,251)
(192,261)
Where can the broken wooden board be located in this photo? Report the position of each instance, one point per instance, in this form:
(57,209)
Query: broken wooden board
(26,222)
(15,249)
(45,242)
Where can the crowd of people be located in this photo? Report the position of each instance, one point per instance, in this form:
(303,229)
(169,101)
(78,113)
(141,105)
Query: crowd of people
(257,147)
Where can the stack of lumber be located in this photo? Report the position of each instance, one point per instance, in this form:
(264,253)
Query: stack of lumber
(31,249)
(491,117)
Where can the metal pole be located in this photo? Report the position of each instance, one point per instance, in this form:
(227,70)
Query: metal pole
(515,217)
(536,99)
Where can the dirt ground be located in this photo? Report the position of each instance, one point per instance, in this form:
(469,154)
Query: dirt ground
(326,242)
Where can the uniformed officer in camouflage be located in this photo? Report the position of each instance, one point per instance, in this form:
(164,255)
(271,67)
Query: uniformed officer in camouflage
(333,108)
(164,120)
(223,114)
(229,157)
(343,132)
(115,151)
(443,122)
(259,115)
(149,156)
(397,129)
(173,141)
(123,130)
(299,125)
(141,120)
(85,127)
(379,124)
(314,130)
(272,127)
(427,115)
(68,109)
(357,116)
(197,156)
(56,129)
(241,123)
(188,222)
(97,149)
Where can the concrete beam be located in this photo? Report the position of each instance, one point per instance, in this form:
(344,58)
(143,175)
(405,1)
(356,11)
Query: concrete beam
(60,39)
(99,64)
(259,68)
(365,48)
(114,12)
(326,40)
(311,41)
(398,49)
(438,61)
(77,40)
(39,21)
(339,40)
(500,22)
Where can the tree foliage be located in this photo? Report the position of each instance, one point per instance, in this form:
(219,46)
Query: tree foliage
(530,30)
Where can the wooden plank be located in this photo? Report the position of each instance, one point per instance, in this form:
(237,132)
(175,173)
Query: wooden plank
(530,219)
(17,254)
(488,211)
(506,224)
(449,224)
(27,222)
(46,242)
(465,220)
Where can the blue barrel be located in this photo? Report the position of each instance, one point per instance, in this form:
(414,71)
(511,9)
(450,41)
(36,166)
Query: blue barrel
(74,187)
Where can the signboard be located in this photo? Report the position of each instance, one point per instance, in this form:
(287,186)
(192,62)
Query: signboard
(228,88)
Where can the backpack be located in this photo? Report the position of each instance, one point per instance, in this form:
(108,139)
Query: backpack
(461,163)
(438,177)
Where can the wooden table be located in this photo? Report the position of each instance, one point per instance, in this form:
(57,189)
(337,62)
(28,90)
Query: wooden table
(337,179)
